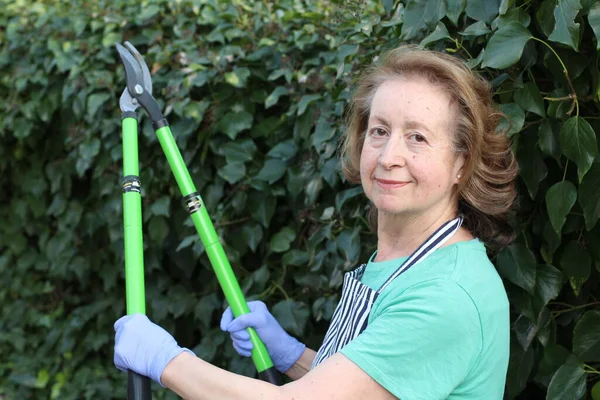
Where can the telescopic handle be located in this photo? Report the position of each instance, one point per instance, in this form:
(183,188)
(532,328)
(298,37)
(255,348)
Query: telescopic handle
(138,386)
(270,375)
(214,249)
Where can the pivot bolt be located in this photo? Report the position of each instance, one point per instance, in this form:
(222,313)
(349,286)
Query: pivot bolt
(138,89)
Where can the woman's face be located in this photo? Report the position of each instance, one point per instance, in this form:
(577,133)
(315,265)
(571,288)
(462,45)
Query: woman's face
(408,166)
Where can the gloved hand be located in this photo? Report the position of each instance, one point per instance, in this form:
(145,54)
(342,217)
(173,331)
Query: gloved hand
(283,348)
(143,347)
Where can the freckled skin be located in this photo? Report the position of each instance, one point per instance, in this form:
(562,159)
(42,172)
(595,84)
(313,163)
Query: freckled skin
(409,140)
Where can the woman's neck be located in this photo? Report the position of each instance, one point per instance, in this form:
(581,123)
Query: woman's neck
(400,235)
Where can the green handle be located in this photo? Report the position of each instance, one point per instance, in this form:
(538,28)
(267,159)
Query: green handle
(212,245)
(132,222)
(138,387)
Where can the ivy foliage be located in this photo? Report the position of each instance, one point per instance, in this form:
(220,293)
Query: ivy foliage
(255,93)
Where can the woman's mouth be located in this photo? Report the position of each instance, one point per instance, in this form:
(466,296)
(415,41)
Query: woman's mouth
(389,184)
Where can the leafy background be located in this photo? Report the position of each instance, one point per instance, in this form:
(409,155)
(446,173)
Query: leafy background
(255,93)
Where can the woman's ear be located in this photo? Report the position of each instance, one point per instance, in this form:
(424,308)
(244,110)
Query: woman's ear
(459,164)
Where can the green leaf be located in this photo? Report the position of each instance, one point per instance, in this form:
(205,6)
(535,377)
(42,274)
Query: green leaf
(111,38)
(388,6)
(90,148)
(272,170)
(532,168)
(455,9)
(438,34)
(262,208)
(284,150)
(285,72)
(549,282)
(161,206)
(548,133)
(291,315)
(545,16)
(506,46)
(345,195)
(517,264)
(349,245)
(148,12)
(42,379)
(586,337)
(525,331)
(479,28)
(295,257)
(252,233)
(515,121)
(233,123)
(303,126)
(266,127)
(232,172)
(474,62)
(566,31)
(514,15)
(239,151)
(273,98)
(205,308)
(594,20)
(578,142)
(519,367)
(305,101)
(596,391)
(568,383)
(280,242)
(419,15)
(504,6)
(592,237)
(530,99)
(576,262)
(207,349)
(559,200)
(238,77)
(483,10)
(94,102)
(158,229)
(313,189)
(323,132)
(589,196)
(553,358)
(187,242)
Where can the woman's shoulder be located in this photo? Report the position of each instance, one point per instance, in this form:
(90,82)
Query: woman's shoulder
(463,264)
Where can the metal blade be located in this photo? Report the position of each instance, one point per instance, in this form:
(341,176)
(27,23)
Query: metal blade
(126,102)
(147,80)
(133,71)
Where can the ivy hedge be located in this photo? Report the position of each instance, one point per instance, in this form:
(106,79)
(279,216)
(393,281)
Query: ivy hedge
(255,93)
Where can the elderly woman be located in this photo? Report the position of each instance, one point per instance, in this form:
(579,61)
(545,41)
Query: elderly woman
(427,316)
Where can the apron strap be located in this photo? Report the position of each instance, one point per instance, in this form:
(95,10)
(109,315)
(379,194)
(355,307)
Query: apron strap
(434,242)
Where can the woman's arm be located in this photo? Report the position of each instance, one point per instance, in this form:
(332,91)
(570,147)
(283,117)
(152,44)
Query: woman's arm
(302,365)
(194,379)
(336,378)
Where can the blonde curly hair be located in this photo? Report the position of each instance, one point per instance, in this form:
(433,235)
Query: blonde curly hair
(486,193)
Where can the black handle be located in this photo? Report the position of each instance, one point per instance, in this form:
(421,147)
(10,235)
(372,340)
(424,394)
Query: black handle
(270,375)
(138,387)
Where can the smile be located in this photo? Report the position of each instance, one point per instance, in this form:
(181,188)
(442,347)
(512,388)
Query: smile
(387,184)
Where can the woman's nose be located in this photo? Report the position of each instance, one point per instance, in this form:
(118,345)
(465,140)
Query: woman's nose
(393,154)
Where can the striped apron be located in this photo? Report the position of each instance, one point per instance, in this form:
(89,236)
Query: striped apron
(352,312)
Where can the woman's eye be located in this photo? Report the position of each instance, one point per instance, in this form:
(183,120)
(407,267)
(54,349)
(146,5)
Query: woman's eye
(418,138)
(378,132)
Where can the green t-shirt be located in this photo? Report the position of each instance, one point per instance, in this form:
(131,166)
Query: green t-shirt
(440,330)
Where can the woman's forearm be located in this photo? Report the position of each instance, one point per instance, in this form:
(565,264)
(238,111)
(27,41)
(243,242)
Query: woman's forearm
(302,365)
(194,379)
